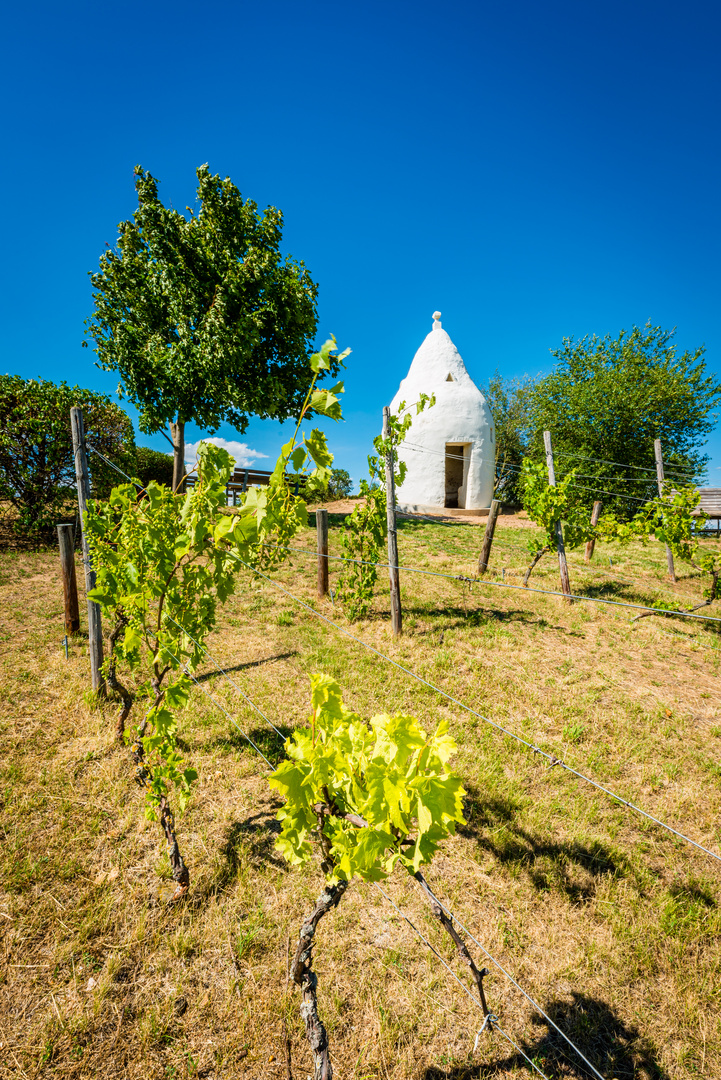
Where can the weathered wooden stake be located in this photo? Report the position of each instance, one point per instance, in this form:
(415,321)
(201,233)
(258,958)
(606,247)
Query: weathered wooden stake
(66,543)
(393,572)
(560,546)
(659,478)
(321,524)
(82,476)
(595,515)
(485,556)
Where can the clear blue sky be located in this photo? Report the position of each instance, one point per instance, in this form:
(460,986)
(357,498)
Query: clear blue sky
(532,170)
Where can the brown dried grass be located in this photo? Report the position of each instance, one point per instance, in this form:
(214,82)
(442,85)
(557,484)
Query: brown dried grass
(611,924)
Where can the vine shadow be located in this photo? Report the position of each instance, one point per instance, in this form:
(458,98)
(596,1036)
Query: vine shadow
(266,739)
(616,1049)
(549,864)
(252,839)
(215,674)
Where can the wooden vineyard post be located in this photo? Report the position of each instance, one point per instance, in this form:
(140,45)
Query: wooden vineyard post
(321,524)
(393,571)
(659,478)
(82,476)
(485,556)
(560,547)
(595,515)
(66,543)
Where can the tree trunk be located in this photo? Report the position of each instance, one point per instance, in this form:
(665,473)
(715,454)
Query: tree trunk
(178,433)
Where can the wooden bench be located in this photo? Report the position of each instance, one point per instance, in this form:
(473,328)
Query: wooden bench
(709,506)
(244,478)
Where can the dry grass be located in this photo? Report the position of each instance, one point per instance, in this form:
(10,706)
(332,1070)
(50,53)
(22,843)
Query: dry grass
(610,923)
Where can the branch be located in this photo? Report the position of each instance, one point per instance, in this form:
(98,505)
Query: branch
(447,925)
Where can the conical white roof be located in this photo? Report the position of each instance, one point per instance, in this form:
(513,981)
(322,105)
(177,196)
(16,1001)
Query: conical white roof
(436,360)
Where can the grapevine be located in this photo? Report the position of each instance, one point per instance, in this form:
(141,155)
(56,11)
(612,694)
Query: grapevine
(164,562)
(366,529)
(372,795)
(546,505)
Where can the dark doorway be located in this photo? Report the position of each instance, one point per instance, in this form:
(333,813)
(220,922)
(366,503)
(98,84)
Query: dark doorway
(455,468)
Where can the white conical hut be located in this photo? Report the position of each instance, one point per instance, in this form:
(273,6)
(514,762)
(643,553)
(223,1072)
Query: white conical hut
(450,450)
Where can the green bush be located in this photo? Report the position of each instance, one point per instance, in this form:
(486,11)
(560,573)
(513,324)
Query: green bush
(37,472)
(153,465)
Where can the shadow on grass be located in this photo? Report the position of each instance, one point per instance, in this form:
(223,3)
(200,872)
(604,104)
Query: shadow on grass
(456,616)
(266,739)
(254,840)
(215,674)
(549,864)
(616,1049)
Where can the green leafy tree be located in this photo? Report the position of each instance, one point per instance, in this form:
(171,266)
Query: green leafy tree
(37,471)
(201,316)
(373,795)
(609,398)
(340,485)
(510,403)
(366,529)
(164,563)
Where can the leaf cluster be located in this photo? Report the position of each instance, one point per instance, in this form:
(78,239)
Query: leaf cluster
(373,793)
(164,562)
(547,505)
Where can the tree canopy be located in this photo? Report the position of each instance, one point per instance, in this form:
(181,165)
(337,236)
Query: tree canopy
(37,471)
(509,401)
(200,315)
(609,398)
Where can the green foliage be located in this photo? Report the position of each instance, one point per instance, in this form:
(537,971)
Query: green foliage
(387,771)
(164,562)
(510,403)
(201,316)
(366,529)
(340,485)
(547,505)
(37,471)
(609,398)
(671,518)
(153,465)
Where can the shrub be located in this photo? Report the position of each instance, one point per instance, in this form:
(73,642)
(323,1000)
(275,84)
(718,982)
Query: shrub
(153,465)
(37,472)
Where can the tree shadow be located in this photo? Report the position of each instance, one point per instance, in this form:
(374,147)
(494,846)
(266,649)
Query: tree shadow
(215,674)
(569,867)
(616,1049)
(457,616)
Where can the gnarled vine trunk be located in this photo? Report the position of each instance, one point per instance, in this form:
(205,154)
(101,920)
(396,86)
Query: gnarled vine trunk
(181,874)
(302,974)
(536,558)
